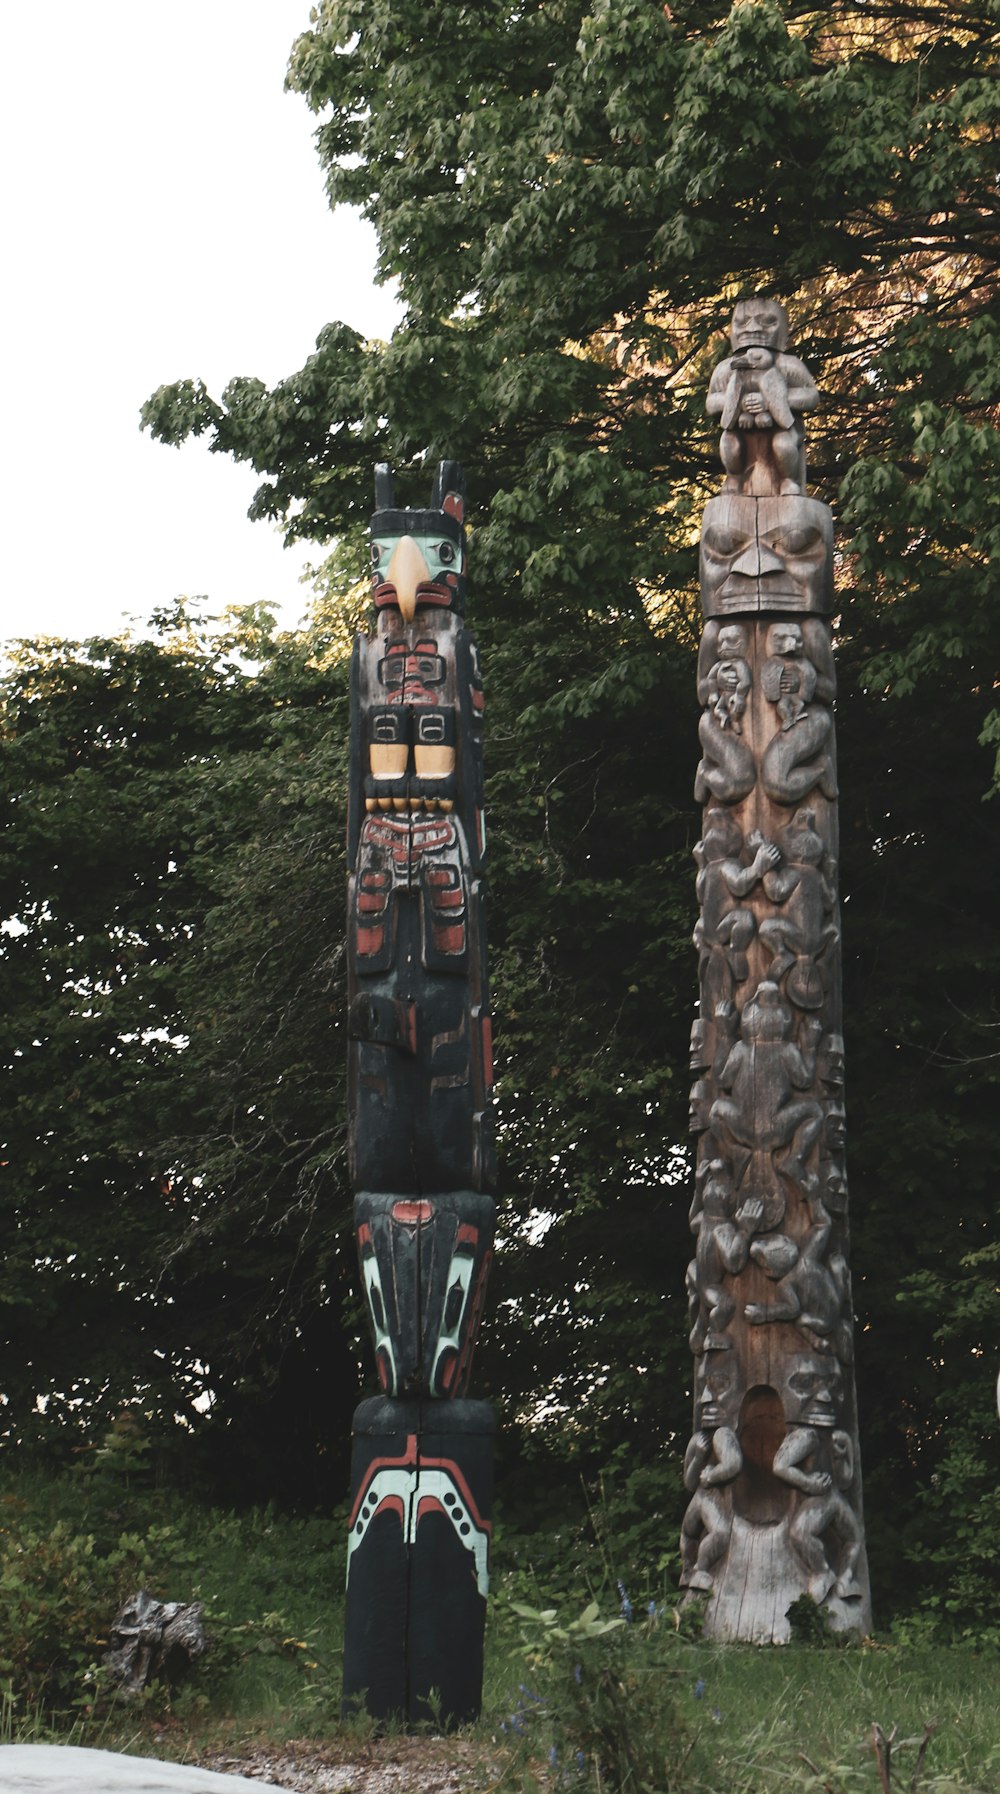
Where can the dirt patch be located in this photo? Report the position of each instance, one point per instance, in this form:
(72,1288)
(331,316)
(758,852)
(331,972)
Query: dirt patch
(385,1766)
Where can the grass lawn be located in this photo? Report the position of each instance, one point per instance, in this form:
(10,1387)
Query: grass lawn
(643,1709)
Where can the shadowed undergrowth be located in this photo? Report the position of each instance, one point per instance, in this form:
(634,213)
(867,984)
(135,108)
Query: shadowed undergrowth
(588,1687)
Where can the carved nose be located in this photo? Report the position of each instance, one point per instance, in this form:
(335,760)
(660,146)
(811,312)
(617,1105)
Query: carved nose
(407,570)
(757,560)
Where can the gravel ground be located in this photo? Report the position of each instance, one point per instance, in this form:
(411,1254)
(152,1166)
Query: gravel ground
(387,1766)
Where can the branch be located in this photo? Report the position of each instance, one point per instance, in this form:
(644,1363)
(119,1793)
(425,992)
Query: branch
(882,1746)
(929,1731)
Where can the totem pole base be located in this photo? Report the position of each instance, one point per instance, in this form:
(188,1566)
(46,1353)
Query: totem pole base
(760,1582)
(418,1559)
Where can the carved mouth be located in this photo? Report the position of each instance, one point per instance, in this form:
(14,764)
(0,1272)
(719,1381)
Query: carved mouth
(429,591)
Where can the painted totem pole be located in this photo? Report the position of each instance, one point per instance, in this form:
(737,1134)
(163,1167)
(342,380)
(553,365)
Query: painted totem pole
(420,1122)
(773,1469)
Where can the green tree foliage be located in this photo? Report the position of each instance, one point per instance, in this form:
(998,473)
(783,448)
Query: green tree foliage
(570,197)
(170,1043)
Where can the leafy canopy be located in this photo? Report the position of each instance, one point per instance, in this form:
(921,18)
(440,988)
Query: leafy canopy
(570,197)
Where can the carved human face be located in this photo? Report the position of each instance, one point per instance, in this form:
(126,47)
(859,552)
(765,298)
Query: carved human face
(699,1050)
(766,554)
(812,1388)
(717,1390)
(836,1128)
(699,1105)
(831,1061)
(835,1192)
(732,643)
(759,321)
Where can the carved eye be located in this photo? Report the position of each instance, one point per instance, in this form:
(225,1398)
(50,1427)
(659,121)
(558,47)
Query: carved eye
(723,542)
(446,553)
(798,541)
(376,554)
(386,727)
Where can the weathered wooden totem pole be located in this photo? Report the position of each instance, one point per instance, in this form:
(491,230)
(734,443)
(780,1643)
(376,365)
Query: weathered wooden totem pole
(773,1468)
(420,1123)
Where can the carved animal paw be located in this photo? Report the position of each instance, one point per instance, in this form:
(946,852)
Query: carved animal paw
(750,1212)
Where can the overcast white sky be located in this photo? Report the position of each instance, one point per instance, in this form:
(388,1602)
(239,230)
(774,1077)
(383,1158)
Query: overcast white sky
(163,216)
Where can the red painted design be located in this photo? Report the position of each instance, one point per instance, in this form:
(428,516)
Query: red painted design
(429,1504)
(370,940)
(414,674)
(466,1235)
(436,591)
(452,1470)
(410,1214)
(382,831)
(428,835)
(454,505)
(487,1029)
(411,1460)
(364,1234)
(451,939)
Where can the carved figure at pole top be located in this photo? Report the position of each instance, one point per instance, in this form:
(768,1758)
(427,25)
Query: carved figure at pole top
(773,1468)
(760,390)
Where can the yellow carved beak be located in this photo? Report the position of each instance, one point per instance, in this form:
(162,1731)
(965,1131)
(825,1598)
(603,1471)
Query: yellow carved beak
(407,570)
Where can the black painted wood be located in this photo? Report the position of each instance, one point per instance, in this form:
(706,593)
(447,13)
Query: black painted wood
(420,1122)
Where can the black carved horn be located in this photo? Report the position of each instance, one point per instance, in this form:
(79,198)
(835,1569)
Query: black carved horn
(450,477)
